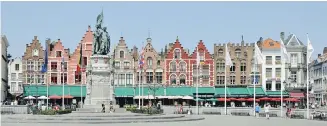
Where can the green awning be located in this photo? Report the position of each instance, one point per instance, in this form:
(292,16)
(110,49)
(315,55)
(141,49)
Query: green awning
(220,92)
(204,90)
(238,91)
(124,91)
(179,91)
(157,91)
(258,91)
(276,93)
(41,90)
(212,99)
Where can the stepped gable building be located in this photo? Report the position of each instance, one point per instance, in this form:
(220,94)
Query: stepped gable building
(153,68)
(206,69)
(32,61)
(176,65)
(241,73)
(123,64)
(58,73)
(86,43)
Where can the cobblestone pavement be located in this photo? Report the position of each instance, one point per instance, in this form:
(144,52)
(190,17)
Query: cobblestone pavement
(210,120)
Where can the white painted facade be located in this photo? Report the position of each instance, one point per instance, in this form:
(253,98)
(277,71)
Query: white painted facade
(15,76)
(318,79)
(273,69)
(4,67)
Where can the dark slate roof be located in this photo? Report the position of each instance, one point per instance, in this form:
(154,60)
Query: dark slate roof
(289,39)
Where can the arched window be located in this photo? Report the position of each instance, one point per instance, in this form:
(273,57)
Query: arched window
(172,66)
(177,53)
(182,66)
(238,53)
(121,54)
(172,79)
(149,61)
(158,62)
(182,79)
(220,53)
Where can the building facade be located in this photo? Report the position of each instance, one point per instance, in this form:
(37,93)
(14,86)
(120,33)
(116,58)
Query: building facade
(273,68)
(318,78)
(32,62)
(242,72)
(4,67)
(205,72)
(15,76)
(153,68)
(296,68)
(177,62)
(123,64)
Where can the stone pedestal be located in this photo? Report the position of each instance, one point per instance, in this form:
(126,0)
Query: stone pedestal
(99,82)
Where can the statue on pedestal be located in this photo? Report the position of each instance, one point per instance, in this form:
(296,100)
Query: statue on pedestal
(101,38)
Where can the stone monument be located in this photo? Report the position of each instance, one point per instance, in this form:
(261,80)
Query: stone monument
(99,89)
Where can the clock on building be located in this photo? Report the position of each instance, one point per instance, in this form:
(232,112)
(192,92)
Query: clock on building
(35,52)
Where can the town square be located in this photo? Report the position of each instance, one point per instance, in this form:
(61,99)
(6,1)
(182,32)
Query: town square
(140,63)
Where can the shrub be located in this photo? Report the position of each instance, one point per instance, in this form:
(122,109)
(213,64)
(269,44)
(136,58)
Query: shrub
(55,112)
(130,108)
(148,111)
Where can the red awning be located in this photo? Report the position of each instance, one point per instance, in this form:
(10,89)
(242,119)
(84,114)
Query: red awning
(68,96)
(296,95)
(251,99)
(265,99)
(54,97)
(223,99)
(241,99)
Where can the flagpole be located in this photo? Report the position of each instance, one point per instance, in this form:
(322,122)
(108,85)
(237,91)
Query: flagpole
(225,103)
(308,56)
(197,81)
(46,82)
(139,88)
(254,79)
(281,83)
(63,85)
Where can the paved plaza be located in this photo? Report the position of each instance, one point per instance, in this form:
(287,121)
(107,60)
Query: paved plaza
(210,120)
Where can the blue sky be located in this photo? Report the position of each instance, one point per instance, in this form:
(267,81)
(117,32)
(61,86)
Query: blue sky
(212,22)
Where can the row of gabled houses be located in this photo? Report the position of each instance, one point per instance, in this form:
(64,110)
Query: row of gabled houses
(172,66)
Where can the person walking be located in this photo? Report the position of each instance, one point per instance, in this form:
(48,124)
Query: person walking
(267,107)
(257,110)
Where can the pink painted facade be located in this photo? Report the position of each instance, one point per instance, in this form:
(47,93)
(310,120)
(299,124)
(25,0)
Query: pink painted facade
(69,76)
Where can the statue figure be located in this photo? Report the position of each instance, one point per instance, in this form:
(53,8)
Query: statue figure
(101,38)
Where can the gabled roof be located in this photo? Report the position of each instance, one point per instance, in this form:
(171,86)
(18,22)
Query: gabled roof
(270,44)
(201,45)
(292,40)
(177,44)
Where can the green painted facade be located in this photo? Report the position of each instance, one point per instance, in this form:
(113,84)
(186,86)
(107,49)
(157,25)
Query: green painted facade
(41,90)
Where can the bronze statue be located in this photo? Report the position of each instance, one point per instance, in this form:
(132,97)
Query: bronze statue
(101,38)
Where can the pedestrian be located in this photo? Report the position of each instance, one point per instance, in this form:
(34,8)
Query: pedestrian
(103,108)
(267,107)
(257,110)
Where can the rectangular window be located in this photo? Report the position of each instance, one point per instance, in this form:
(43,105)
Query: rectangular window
(78,77)
(53,65)
(220,67)
(129,79)
(117,64)
(220,79)
(232,79)
(126,64)
(63,78)
(268,85)
(278,60)
(293,76)
(243,79)
(294,59)
(278,86)
(17,67)
(149,77)
(159,77)
(13,76)
(138,78)
(20,76)
(58,54)
(278,72)
(268,59)
(268,72)
(243,67)
(232,69)
(121,79)
(85,61)
(54,78)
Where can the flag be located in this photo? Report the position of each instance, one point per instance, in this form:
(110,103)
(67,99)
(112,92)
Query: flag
(284,51)
(197,57)
(309,49)
(45,65)
(258,55)
(79,65)
(227,58)
(141,59)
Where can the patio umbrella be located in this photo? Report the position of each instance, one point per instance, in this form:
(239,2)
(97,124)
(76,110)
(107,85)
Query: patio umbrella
(275,99)
(54,97)
(68,97)
(232,99)
(29,97)
(222,99)
(292,99)
(188,97)
(251,99)
(42,97)
(241,99)
(265,99)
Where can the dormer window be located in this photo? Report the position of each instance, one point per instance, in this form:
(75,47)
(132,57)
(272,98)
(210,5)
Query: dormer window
(177,54)
(271,43)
